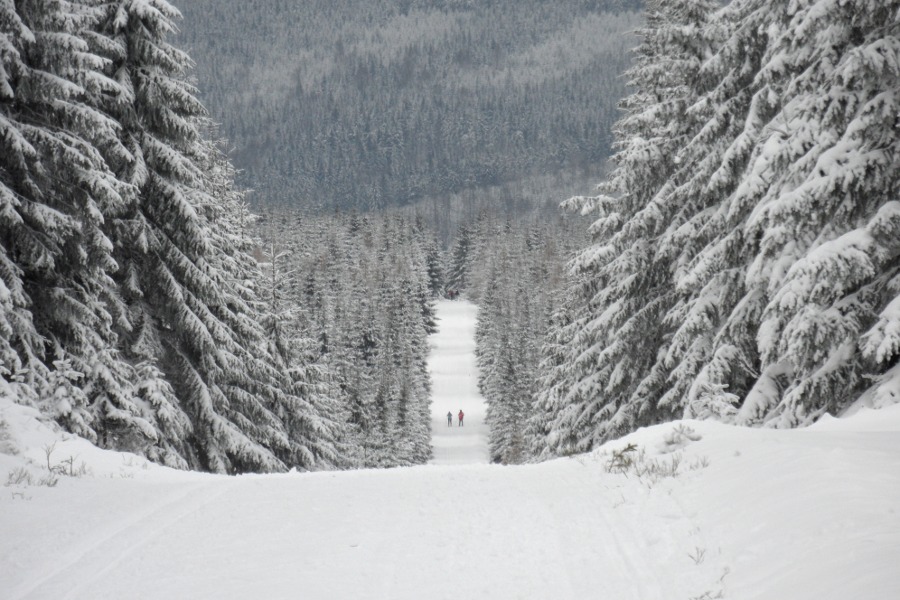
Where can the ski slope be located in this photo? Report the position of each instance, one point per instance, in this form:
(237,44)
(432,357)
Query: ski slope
(750,514)
(454,380)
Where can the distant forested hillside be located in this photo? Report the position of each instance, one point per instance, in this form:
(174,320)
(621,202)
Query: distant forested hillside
(373,103)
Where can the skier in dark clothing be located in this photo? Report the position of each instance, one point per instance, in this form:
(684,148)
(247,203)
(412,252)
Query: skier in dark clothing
(461,415)
(449,419)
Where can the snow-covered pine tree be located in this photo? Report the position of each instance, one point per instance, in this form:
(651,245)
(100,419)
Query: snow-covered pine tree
(551,399)
(771,313)
(623,289)
(20,343)
(403,396)
(56,190)
(358,345)
(827,173)
(506,373)
(182,316)
(407,346)
(486,333)
(434,259)
(279,312)
(706,241)
(457,269)
(426,258)
(291,379)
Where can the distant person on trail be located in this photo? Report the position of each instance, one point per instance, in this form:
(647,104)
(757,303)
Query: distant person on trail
(449,419)
(461,415)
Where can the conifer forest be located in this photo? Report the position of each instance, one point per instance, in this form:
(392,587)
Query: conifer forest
(224,224)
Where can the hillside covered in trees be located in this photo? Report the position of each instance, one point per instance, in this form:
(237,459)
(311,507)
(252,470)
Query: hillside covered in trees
(351,305)
(136,307)
(374,103)
(743,261)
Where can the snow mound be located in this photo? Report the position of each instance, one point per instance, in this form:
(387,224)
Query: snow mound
(33,446)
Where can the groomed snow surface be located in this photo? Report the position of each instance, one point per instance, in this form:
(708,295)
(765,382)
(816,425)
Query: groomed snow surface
(454,387)
(786,515)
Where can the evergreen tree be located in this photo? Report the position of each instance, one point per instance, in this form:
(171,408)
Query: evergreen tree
(824,178)
(130,306)
(708,291)
(182,252)
(56,189)
(613,375)
(457,270)
(314,421)
(552,403)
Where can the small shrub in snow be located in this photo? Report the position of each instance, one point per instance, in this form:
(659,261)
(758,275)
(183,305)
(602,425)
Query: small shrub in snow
(18,476)
(68,468)
(48,452)
(65,467)
(701,462)
(651,471)
(22,477)
(679,437)
(632,460)
(6,443)
(568,452)
(713,402)
(622,461)
(132,461)
(48,480)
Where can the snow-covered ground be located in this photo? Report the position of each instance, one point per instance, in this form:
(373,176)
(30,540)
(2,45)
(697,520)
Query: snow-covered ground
(749,514)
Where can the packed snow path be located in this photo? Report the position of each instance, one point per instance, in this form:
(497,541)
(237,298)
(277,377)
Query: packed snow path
(454,378)
(773,515)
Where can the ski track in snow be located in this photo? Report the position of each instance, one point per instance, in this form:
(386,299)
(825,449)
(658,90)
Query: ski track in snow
(776,515)
(88,561)
(454,380)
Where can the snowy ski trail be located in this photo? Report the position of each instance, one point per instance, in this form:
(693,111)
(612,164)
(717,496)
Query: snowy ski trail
(454,379)
(426,532)
(111,542)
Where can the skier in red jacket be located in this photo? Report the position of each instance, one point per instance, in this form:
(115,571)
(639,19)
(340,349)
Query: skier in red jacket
(460,415)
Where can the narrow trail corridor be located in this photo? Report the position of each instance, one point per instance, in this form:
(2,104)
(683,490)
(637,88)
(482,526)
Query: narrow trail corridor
(724,526)
(454,378)
(380,534)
